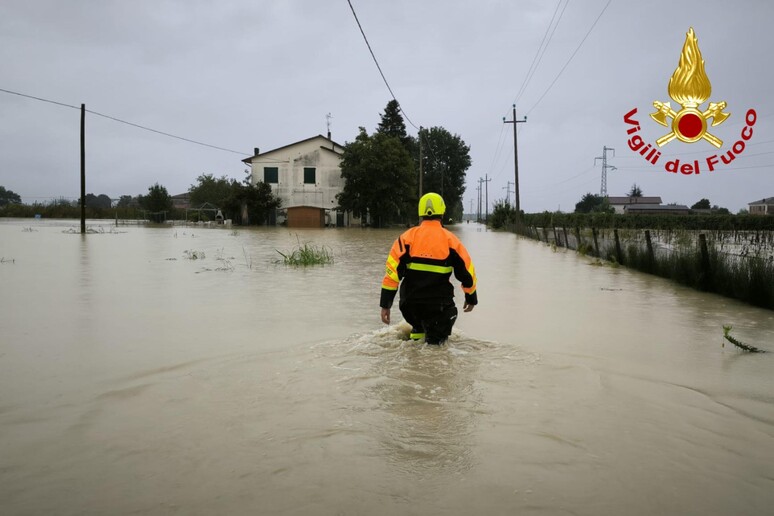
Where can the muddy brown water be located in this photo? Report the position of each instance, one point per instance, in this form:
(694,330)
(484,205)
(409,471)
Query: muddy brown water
(136,380)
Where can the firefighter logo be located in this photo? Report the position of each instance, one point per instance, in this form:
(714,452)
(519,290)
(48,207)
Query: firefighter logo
(690,87)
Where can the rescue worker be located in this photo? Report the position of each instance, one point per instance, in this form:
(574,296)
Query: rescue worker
(421,261)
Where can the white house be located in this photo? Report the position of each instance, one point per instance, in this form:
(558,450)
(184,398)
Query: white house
(620,204)
(762,207)
(306,176)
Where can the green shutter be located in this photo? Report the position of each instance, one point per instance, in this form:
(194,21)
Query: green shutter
(309,175)
(271,175)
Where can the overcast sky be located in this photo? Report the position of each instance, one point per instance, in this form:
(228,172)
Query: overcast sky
(241,74)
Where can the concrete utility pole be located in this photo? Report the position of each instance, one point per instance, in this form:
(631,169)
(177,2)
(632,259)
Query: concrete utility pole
(478,188)
(486,219)
(517,204)
(420,161)
(83,169)
(605,166)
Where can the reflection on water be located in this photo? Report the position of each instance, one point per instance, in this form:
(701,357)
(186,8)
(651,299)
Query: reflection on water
(134,379)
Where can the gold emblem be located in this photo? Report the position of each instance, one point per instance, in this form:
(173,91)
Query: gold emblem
(690,87)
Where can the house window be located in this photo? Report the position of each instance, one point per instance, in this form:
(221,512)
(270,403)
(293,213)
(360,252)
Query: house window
(309,176)
(271,175)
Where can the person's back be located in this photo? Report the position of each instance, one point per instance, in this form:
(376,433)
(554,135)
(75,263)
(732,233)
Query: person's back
(421,262)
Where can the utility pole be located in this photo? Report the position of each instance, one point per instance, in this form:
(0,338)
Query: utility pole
(83,169)
(420,161)
(478,188)
(605,166)
(517,204)
(486,219)
(507,193)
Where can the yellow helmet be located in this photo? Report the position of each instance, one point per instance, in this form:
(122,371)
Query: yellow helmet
(431,204)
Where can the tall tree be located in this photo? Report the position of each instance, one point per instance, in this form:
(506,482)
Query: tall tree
(635,191)
(100,201)
(210,189)
(392,123)
(157,200)
(124,201)
(445,160)
(593,203)
(379,179)
(257,198)
(8,197)
(703,204)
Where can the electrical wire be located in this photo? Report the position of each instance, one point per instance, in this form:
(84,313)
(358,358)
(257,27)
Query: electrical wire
(571,57)
(170,135)
(378,67)
(540,53)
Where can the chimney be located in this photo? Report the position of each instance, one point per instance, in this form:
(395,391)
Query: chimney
(257,151)
(329,135)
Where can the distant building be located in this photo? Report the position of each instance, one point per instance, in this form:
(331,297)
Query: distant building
(181,201)
(306,177)
(620,203)
(654,209)
(762,207)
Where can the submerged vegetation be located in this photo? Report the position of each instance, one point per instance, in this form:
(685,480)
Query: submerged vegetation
(739,344)
(307,254)
(734,263)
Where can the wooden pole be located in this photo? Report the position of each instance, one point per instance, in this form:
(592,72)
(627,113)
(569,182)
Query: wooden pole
(420,161)
(649,244)
(618,253)
(596,242)
(83,169)
(704,275)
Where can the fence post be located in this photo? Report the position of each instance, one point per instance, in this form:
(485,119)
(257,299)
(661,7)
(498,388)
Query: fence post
(577,238)
(566,242)
(556,238)
(649,244)
(704,273)
(596,243)
(618,254)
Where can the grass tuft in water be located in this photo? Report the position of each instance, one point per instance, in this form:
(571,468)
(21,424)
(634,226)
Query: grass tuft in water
(741,345)
(307,254)
(194,255)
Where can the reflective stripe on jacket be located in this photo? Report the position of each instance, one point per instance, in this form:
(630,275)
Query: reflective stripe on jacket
(421,261)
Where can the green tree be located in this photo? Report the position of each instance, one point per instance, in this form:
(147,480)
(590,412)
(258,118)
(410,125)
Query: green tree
(379,179)
(8,197)
(635,191)
(98,201)
(703,204)
(445,160)
(157,200)
(502,215)
(593,203)
(124,201)
(210,189)
(258,199)
(392,124)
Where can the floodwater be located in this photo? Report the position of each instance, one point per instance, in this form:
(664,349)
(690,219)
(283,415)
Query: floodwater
(137,380)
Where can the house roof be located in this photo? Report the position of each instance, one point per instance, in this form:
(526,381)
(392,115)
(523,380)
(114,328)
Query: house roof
(653,207)
(768,200)
(633,200)
(247,160)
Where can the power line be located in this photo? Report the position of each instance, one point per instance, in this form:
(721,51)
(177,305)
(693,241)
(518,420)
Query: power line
(373,56)
(170,135)
(571,58)
(539,54)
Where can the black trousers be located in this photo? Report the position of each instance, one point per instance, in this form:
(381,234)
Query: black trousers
(434,320)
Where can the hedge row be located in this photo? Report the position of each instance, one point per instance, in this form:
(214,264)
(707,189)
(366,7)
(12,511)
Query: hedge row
(671,222)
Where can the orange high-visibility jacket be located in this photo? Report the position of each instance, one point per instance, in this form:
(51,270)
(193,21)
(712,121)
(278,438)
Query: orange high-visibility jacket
(421,261)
